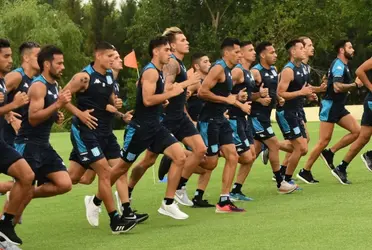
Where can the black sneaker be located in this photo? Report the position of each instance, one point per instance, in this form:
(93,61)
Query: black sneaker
(121,225)
(200,203)
(164,167)
(306,176)
(340,175)
(7,232)
(265,156)
(134,216)
(367,160)
(327,156)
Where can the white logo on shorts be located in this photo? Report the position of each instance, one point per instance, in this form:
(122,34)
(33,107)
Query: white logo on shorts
(130,156)
(95,151)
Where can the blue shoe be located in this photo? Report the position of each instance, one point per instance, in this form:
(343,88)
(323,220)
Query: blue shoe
(239,197)
(292,182)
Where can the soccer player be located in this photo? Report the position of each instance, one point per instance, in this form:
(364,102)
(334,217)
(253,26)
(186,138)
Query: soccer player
(366,129)
(332,110)
(266,76)
(11,162)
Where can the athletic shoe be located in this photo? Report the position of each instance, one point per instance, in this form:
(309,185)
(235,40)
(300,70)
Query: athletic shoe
(199,203)
(292,182)
(307,177)
(367,161)
(120,225)
(172,210)
(119,207)
(340,175)
(239,197)
(7,200)
(8,246)
(92,211)
(228,208)
(286,188)
(8,233)
(164,167)
(133,216)
(182,198)
(265,156)
(327,157)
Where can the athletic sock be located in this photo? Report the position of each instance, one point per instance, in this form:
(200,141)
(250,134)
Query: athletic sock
(168,201)
(288,177)
(126,208)
(130,190)
(343,165)
(278,178)
(283,169)
(8,217)
(237,188)
(199,194)
(113,214)
(182,183)
(329,150)
(97,201)
(224,200)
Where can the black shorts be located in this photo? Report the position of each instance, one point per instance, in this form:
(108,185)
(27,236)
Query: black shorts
(262,128)
(241,131)
(43,159)
(331,112)
(302,115)
(367,113)
(291,124)
(180,128)
(8,156)
(139,138)
(215,133)
(89,148)
(9,135)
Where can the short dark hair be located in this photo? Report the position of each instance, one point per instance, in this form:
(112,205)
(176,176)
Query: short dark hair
(195,58)
(47,54)
(245,43)
(104,46)
(340,44)
(262,46)
(27,45)
(292,43)
(229,42)
(4,44)
(157,42)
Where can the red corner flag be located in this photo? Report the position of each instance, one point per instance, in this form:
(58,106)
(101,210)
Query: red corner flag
(130,60)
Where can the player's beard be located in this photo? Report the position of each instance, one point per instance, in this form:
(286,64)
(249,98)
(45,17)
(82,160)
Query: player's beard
(348,56)
(55,76)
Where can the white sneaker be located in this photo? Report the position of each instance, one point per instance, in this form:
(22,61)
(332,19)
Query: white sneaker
(172,210)
(286,188)
(92,211)
(118,203)
(182,198)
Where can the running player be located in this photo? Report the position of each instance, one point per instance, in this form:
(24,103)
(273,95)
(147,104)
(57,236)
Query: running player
(266,76)
(91,132)
(332,110)
(366,129)
(11,163)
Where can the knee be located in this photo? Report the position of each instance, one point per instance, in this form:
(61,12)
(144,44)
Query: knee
(232,157)
(147,163)
(180,160)
(245,159)
(74,178)
(64,186)
(355,133)
(364,139)
(303,150)
(28,178)
(209,164)
(86,180)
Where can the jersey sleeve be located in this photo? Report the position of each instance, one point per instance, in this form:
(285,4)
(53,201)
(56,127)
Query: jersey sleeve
(338,70)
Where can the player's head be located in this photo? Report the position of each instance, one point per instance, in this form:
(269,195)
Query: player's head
(159,49)
(296,49)
(6,60)
(345,48)
(104,54)
(266,52)
(28,52)
(248,52)
(50,60)
(177,40)
(118,63)
(230,50)
(308,44)
(200,62)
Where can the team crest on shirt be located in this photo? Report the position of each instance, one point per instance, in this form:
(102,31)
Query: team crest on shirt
(26,85)
(274,72)
(52,94)
(97,81)
(109,80)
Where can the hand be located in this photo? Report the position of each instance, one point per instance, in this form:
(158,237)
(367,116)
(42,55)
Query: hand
(165,103)
(60,118)
(231,99)
(281,101)
(243,95)
(64,97)
(264,101)
(89,120)
(358,83)
(128,116)
(111,108)
(246,108)
(264,91)
(118,102)
(1,97)
(188,94)
(226,114)
(195,78)
(306,90)
(312,98)
(20,99)
(176,89)
(15,120)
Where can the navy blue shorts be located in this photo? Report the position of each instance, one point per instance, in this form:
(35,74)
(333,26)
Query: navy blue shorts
(302,115)
(8,156)
(139,138)
(89,147)
(367,113)
(262,128)
(43,159)
(9,134)
(331,112)
(180,128)
(215,133)
(241,133)
(291,124)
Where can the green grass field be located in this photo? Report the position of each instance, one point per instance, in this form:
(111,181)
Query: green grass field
(324,216)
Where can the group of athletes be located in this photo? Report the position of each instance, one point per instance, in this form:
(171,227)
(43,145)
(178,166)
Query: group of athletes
(218,111)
